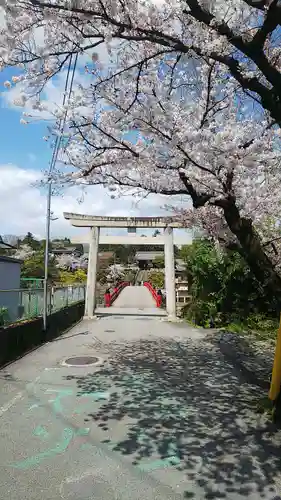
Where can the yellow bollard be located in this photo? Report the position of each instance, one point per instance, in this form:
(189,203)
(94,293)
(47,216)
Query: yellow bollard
(275,385)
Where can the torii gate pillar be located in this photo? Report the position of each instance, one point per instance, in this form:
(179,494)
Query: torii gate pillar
(90,299)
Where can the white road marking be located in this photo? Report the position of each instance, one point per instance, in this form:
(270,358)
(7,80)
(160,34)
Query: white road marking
(33,406)
(32,384)
(16,398)
(75,479)
(10,403)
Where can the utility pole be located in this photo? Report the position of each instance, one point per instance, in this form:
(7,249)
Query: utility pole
(66,96)
(46,257)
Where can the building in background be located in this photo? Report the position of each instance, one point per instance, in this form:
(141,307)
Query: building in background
(5,246)
(75,250)
(182,293)
(10,270)
(146,260)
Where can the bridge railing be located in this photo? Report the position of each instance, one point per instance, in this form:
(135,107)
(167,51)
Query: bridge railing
(157,297)
(109,298)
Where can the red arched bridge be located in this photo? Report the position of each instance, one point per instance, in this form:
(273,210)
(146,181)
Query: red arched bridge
(143,298)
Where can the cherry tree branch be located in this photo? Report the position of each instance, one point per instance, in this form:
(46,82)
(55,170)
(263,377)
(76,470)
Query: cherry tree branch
(252,49)
(209,88)
(198,199)
(269,91)
(110,136)
(178,58)
(271,21)
(263,6)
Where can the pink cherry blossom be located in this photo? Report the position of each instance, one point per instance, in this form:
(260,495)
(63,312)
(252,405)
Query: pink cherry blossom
(198,80)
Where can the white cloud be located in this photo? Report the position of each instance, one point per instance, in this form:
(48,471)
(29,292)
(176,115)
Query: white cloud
(23,204)
(2,18)
(26,203)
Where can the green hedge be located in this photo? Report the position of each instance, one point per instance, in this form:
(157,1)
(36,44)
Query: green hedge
(19,338)
(224,289)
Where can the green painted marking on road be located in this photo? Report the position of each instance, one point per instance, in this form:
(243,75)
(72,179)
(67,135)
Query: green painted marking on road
(41,431)
(83,431)
(67,435)
(159,464)
(96,396)
(61,393)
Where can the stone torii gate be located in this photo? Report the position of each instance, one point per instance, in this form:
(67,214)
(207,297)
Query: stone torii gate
(94,223)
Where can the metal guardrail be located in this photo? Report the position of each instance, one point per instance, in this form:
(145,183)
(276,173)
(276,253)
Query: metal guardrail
(26,303)
(158,298)
(109,298)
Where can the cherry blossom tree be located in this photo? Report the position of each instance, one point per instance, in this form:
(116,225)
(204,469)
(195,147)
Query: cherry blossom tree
(24,252)
(115,274)
(199,83)
(66,261)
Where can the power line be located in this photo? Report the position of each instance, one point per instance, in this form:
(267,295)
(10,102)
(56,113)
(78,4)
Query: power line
(66,96)
(61,125)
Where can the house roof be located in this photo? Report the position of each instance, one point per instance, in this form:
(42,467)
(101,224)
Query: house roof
(106,255)
(62,250)
(4,258)
(70,249)
(5,245)
(148,255)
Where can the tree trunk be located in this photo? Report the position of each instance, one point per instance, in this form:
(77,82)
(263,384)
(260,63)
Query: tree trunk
(253,251)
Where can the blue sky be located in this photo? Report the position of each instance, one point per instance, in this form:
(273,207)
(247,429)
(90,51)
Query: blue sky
(18,142)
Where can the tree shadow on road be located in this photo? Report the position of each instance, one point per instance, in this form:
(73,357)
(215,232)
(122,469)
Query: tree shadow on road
(183,400)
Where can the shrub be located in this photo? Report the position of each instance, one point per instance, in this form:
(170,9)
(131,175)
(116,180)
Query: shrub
(223,288)
(4,315)
(70,278)
(156,278)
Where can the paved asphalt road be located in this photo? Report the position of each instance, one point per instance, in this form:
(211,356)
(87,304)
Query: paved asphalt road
(161,416)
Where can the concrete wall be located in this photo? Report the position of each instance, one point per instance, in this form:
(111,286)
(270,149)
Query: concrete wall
(21,337)
(10,280)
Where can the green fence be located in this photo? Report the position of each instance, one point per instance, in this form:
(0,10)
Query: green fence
(25,303)
(31,283)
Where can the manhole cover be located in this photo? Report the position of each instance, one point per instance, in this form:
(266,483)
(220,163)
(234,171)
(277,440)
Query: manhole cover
(81,361)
